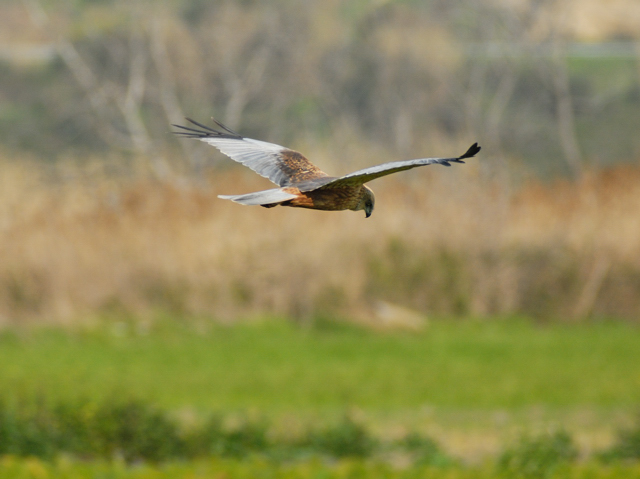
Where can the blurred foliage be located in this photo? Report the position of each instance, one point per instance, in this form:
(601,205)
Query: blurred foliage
(47,428)
(345,439)
(137,431)
(538,457)
(32,468)
(424,450)
(399,75)
(131,430)
(86,239)
(444,280)
(350,84)
(627,445)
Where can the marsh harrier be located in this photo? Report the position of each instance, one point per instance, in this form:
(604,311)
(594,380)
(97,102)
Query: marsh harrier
(301,183)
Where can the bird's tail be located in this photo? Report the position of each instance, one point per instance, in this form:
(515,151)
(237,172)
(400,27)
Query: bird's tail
(266,197)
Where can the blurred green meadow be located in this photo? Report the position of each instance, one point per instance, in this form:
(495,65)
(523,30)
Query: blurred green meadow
(462,398)
(264,469)
(279,367)
(350,469)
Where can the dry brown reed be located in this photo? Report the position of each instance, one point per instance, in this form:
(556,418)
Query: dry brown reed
(77,242)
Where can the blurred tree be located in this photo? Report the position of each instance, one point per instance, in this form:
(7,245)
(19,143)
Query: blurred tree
(399,75)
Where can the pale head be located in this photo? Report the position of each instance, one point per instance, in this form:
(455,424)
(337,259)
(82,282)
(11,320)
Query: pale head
(367,201)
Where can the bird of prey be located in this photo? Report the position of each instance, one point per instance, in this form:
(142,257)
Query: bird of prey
(301,183)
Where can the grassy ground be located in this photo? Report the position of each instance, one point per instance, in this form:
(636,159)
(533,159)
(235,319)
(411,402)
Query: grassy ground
(474,386)
(279,367)
(66,469)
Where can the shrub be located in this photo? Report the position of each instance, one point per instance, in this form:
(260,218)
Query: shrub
(240,441)
(132,430)
(136,431)
(345,439)
(627,446)
(538,457)
(424,450)
(26,432)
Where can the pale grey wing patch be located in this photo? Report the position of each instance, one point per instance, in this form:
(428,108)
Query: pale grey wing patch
(260,156)
(361,177)
(281,165)
(266,197)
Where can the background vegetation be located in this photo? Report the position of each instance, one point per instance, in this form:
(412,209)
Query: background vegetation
(141,317)
(537,400)
(104,210)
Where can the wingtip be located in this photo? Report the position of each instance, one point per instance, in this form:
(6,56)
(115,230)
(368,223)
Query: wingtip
(226,128)
(471,152)
(184,130)
(204,131)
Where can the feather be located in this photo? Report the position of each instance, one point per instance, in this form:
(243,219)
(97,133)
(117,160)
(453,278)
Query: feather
(281,165)
(361,177)
(266,197)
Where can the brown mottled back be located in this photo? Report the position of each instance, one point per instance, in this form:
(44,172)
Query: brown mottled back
(297,168)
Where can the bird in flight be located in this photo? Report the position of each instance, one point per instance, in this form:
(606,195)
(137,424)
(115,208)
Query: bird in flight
(301,183)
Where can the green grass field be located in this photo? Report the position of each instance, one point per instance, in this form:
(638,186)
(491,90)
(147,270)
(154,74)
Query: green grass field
(472,385)
(276,367)
(257,468)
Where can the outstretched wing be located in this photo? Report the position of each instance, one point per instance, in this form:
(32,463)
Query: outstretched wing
(281,165)
(363,176)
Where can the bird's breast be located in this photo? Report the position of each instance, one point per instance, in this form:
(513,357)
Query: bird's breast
(334,199)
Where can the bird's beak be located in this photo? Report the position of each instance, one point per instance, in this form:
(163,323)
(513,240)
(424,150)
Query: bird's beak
(367,213)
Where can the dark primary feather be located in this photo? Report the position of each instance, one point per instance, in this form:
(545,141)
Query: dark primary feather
(361,177)
(206,130)
(281,165)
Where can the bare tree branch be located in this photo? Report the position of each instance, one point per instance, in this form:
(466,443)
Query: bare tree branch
(595,279)
(564,111)
(242,86)
(130,103)
(168,96)
(96,94)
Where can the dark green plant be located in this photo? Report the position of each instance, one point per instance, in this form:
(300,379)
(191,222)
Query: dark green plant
(626,447)
(200,441)
(538,457)
(27,431)
(250,437)
(132,430)
(424,450)
(345,439)
(136,431)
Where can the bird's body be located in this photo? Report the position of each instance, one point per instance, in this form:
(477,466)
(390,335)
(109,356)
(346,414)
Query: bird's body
(301,183)
(335,199)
